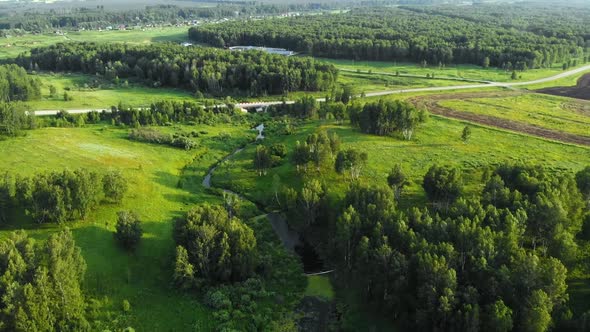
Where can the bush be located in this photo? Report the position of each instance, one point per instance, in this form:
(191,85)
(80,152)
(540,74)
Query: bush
(126,306)
(128,230)
(114,185)
(279,150)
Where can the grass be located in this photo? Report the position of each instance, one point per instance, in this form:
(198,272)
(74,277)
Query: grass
(83,96)
(319,286)
(12,46)
(453,71)
(154,173)
(437,141)
(550,112)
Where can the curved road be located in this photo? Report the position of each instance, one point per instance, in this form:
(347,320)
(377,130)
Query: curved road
(380,93)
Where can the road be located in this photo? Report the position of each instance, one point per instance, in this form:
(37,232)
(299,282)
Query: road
(382,93)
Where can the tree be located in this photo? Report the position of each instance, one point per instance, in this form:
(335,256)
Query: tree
(310,198)
(42,289)
(466,134)
(537,312)
(498,317)
(52,90)
(183,270)
(67,97)
(346,94)
(514,75)
(397,180)
(128,230)
(14,118)
(351,160)
(262,160)
(114,185)
(219,248)
(583,182)
(442,184)
(301,156)
(486,62)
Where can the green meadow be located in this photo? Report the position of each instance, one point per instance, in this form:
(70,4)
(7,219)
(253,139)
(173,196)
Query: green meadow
(163,183)
(13,45)
(436,141)
(88,92)
(450,71)
(545,111)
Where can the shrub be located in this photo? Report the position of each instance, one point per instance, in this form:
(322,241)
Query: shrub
(128,230)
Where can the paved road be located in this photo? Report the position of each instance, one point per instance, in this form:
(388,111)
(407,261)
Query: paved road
(385,93)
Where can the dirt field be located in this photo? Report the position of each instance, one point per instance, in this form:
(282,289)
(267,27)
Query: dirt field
(432,103)
(581,91)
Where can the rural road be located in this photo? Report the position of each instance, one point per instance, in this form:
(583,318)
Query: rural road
(379,93)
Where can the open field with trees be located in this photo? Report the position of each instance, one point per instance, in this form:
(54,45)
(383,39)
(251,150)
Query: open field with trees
(168,178)
(15,44)
(453,71)
(399,174)
(87,92)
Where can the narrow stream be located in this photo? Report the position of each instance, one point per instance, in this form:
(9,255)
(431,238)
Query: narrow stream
(290,239)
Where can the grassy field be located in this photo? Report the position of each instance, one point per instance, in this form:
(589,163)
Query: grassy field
(154,173)
(437,141)
(454,71)
(319,286)
(86,93)
(551,112)
(14,45)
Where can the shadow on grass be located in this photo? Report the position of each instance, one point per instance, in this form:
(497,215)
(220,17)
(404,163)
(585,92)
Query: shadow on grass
(115,272)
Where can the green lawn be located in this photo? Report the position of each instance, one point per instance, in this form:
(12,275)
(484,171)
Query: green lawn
(550,112)
(319,286)
(86,93)
(12,46)
(454,71)
(154,173)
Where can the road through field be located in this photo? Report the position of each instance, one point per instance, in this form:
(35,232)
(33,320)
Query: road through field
(386,92)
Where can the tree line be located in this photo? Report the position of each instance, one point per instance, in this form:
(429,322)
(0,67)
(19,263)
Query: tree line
(537,18)
(58,197)
(384,118)
(193,68)
(101,17)
(14,118)
(16,85)
(390,34)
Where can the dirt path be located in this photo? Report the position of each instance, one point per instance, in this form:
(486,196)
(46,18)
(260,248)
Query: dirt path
(432,103)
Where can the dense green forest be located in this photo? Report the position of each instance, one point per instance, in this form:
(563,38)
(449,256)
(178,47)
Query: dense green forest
(40,284)
(196,69)
(95,18)
(567,22)
(16,85)
(396,35)
(495,261)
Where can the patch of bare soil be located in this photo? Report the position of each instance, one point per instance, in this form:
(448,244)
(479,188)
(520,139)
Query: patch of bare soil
(432,104)
(581,91)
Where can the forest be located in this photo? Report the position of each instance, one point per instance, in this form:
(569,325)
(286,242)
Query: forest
(16,85)
(495,263)
(387,34)
(195,69)
(538,18)
(101,17)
